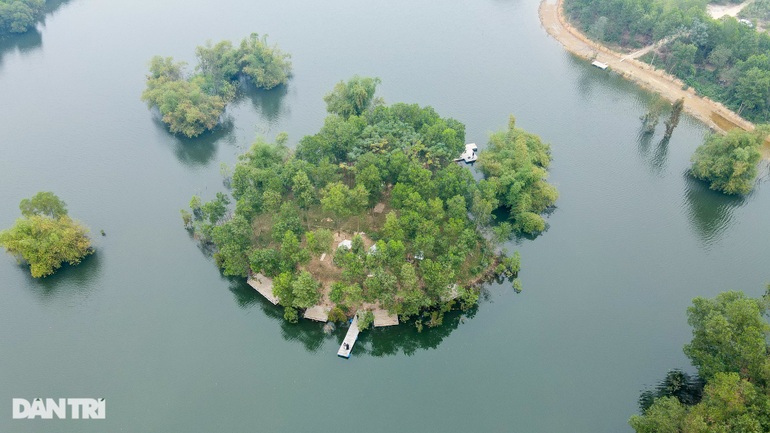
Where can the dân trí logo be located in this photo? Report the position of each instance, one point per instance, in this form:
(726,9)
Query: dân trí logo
(59,408)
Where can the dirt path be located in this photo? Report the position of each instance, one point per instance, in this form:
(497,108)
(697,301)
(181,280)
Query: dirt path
(712,113)
(718,11)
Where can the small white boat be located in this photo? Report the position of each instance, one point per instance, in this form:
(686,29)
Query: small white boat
(470,154)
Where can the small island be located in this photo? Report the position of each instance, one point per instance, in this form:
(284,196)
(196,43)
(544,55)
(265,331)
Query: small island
(45,237)
(372,214)
(193,104)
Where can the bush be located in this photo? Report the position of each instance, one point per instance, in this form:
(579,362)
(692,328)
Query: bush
(729,162)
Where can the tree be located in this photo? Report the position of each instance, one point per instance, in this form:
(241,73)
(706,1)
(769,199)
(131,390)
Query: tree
(18,16)
(352,98)
(673,120)
(729,162)
(515,167)
(729,335)
(45,204)
(730,350)
(46,237)
(183,103)
(266,66)
(305,290)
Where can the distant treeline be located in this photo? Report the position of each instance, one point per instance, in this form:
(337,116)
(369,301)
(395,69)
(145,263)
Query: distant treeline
(726,60)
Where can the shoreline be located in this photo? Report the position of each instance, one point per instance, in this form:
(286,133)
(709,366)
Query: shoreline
(715,115)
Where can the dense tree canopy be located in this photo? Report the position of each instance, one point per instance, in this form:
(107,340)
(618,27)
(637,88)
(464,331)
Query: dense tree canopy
(422,248)
(193,104)
(516,163)
(730,350)
(353,97)
(729,162)
(18,16)
(46,236)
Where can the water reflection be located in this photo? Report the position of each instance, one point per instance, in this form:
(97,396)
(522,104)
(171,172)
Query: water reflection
(68,281)
(268,103)
(375,342)
(656,157)
(200,150)
(23,43)
(710,212)
(687,389)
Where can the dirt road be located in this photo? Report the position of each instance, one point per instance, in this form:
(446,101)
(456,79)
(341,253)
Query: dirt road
(710,112)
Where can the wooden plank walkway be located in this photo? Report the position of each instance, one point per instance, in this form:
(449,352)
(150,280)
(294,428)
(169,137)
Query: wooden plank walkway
(264,286)
(350,339)
(383,318)
(318,313)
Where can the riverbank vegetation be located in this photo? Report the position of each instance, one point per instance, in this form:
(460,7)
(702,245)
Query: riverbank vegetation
(377,195)
(45,236)
(724,59)
(191,104)
(18,16)
(730,350)
(729,162)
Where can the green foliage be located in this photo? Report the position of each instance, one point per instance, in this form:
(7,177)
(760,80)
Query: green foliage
(515,164)
(305,290)
(365,320)
(352,98)
(183,103)
(729,162)
(319,241)
(337,315)
(729,335)
(430,240)
(290,314)
(266,66)
(18,16)
(730,350)
(191,105)
(44,204)
(46,237)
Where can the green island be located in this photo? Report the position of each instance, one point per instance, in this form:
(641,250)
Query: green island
(46,237)
(373,213)
(19,16)
(191,104)
(731,392)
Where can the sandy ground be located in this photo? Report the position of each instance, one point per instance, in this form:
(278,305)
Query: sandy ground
(719,11)
(715,115)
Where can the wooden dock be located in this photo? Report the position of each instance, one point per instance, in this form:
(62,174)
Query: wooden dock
(383,318)
(350,339)
(319,313)
(264,286)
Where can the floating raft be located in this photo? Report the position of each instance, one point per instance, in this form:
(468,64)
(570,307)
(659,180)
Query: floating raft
(350,339)
(264,286)
(600,65)
(319,313)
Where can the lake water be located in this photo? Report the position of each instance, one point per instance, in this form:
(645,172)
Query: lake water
(149,324)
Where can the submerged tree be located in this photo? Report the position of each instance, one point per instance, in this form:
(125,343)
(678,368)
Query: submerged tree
(730,350)
(46,236)
(515,166)
(673,120)
(729,162)
(193,104)
(353,97)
